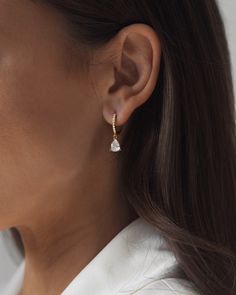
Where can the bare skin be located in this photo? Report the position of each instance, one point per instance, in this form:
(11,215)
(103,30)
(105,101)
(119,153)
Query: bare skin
(58,178)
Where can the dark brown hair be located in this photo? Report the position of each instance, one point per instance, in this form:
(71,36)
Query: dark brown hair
(178,164)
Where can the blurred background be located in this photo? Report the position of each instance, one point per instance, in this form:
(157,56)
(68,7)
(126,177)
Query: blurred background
(228,9)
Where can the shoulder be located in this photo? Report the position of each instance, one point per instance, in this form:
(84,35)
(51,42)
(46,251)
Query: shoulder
(169,286)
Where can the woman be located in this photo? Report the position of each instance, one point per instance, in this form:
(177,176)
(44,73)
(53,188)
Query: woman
(118,147)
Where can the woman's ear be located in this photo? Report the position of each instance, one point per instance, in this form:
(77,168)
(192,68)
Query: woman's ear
(129,74)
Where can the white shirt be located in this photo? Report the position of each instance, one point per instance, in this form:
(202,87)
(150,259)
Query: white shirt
(136,261)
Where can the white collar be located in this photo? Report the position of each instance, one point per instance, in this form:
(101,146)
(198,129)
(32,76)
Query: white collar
(135,257)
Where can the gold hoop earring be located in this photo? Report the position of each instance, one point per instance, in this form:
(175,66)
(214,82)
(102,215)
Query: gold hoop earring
(115,146)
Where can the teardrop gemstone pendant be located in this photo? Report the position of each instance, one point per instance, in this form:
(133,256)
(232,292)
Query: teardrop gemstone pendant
(115,146)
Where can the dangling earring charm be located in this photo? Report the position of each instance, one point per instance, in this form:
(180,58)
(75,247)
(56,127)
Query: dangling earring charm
(115,146)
